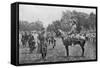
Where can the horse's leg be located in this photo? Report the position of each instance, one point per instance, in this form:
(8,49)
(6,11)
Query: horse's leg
(67,50)
(82,47)
(22,43)
(30,50)
(25,44)
(54,43)
(49,41)
(82,50)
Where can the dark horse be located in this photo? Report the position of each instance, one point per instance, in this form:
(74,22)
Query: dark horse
(31,43)
(69,41)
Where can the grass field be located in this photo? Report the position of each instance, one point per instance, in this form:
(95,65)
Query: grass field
(58,53)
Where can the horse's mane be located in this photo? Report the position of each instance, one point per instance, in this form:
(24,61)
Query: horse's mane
(64,34)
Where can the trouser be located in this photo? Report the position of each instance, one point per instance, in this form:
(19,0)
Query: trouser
(43,49)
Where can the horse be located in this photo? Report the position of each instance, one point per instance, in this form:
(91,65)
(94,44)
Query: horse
(31,43)
(69,41)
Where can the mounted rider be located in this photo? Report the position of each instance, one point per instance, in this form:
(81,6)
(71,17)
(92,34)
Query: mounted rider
(73,25)
(74,32)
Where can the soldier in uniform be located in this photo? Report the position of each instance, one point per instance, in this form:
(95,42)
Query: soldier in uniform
(43,44)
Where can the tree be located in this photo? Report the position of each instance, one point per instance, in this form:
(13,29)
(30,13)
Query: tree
(23,25)
(83,21)
(50,28)
(92,21)
(36,26)
(26,26)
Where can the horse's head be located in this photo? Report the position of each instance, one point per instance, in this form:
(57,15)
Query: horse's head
(62,34)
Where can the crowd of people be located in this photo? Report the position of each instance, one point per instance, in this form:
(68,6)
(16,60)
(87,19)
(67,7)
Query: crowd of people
(41,39)
(36,40)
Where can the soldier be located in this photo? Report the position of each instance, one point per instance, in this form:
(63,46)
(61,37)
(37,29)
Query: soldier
(43,44)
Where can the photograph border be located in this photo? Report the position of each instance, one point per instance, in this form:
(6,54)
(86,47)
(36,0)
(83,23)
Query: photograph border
(57,5)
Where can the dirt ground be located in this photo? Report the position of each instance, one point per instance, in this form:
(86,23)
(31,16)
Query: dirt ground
(58,53)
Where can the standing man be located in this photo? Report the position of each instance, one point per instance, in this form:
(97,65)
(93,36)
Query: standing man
(43,43)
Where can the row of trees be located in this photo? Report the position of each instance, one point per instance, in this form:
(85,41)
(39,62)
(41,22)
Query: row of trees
(84,21)
(26,26)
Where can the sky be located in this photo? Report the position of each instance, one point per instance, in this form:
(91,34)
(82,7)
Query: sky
(46,14)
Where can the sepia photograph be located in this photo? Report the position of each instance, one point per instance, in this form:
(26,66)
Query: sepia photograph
(56,34)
